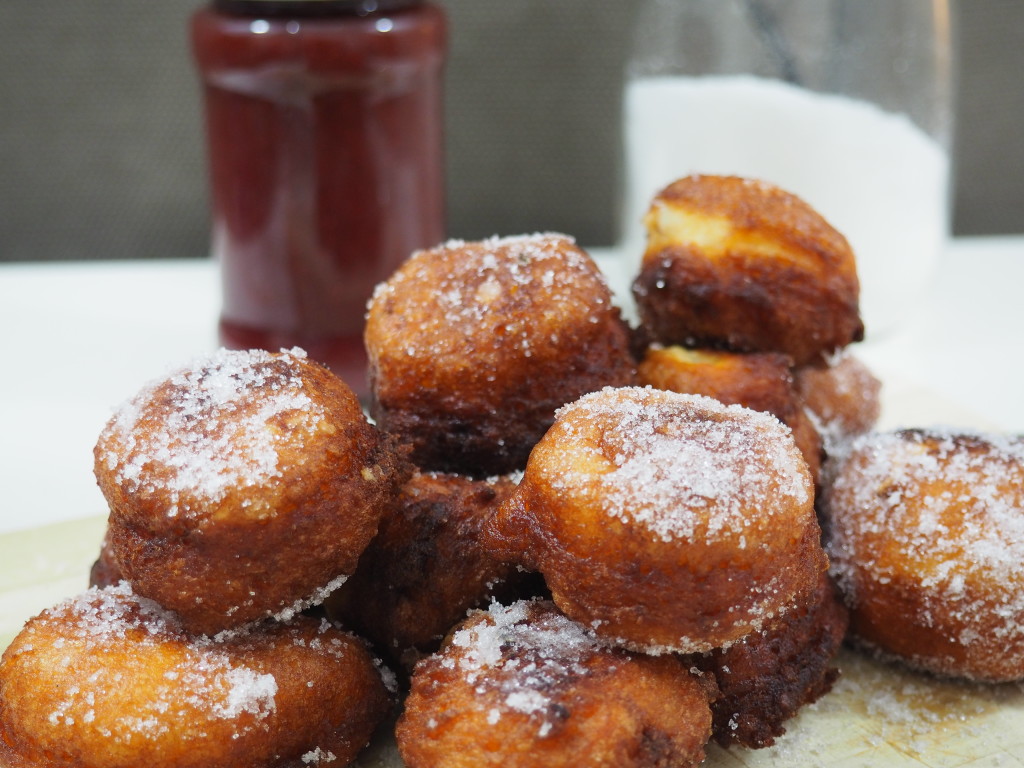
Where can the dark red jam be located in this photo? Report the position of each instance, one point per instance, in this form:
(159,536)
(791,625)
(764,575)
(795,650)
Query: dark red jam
(324,130)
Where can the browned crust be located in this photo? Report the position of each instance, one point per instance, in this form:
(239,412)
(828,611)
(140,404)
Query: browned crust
(473,384)
(626,583)
(768,677)
(619,711)
(426,567)
(328,694)
(220,566)
(779,279)
(761,381)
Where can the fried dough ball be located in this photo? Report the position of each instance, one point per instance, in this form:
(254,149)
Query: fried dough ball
(473,345)
(668,522)
(927,541)
(427,566)
(743,265)
(843,395)
(524,687)
(761,381)
(243,486)
(768,676)
(110,680)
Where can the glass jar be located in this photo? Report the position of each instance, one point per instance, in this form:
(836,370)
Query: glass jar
(846,103)
(324,142)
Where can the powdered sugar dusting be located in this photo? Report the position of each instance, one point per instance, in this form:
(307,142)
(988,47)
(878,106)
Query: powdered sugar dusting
(524,651)
(210,427)
(683,466)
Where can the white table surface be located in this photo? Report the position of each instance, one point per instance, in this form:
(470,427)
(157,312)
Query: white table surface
(78,339)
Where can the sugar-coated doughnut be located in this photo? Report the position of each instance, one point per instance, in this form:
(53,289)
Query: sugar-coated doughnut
(762,381)
(927,541)
(245,485)
(427,566)
(668,522)
(843,396)
(110,680)
(524,687)
(744,265)
(473,345)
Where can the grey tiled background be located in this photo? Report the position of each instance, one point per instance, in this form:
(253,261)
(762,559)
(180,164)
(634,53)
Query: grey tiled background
(101,149)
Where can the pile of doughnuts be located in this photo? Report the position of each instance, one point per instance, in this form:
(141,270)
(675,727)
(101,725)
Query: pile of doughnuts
(556,535)
(242,490)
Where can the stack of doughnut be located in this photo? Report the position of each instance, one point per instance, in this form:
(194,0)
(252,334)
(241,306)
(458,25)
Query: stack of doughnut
(566,536)
(242,490)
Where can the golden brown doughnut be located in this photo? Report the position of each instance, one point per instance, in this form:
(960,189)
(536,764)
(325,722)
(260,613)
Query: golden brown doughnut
(110,680)
(843,395)
(473,345)
(243,486)
(638,497)
(525,687)
(743,265)
(426,567)
(767,677)
(762,381)
(927,541)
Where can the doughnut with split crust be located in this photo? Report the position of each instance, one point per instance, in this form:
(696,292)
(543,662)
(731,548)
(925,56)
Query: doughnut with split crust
(927,541)
(743,265)
(243,486)
(766,678)
(427,566)
(110,680)
(473,345)
(668,522)
(525,687)
(762,381)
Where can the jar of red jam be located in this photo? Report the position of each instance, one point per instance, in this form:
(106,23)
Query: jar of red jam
(324,138)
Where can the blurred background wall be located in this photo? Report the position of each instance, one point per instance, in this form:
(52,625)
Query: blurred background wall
(101,153)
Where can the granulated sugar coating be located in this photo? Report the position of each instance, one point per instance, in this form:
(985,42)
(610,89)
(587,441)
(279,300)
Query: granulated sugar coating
(670,523)
(682,466)
(493,280)
(524,653)
(220,423)
(244,486)
(927,542)
(472,346)
(197,675)
(109,679)
(525,686)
